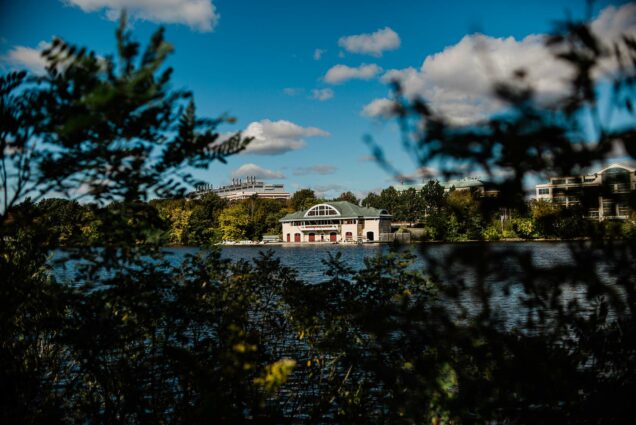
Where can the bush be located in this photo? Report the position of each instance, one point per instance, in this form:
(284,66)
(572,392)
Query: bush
(492,233)
(523,227)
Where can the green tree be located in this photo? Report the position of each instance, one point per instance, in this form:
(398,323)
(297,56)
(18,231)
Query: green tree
(234,222)
(411,205)
(111,126)
(545,216)
(523,227)
(303,199)
(264,216)
(389,199)
(433,196)
(63,217)
(371,200)
(204,221)
(349,197)
(465,210)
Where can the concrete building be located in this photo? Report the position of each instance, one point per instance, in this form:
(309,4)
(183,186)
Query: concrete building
(605,193)
(244,189)
(339,221)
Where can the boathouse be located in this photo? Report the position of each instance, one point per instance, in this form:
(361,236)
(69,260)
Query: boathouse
(337,221)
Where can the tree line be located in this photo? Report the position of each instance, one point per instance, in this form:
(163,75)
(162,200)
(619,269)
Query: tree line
(457,215)
(430,213)
(175,221)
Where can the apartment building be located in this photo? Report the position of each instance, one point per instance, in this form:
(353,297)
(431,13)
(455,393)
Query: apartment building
(604,194)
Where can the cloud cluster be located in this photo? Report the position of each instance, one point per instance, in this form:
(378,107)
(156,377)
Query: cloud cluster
(293,91)
(329,190)
(322,170)
(318,54)
(322,94)
(379,108)
(277,137)
(373,44)
(458,81)
(340,73)
(199,15)
(251,169)
(27,58)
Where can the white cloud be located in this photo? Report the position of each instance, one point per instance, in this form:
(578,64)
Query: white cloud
(276,137)
(367,158)
(458,81)
(371,44)
(613,22)
(322,170)
(329,190)
(292,91)
(611,25)
(199,15)
(322,94)
(27,57)
(251,169)
(340,73)
(318,54)
(380,108)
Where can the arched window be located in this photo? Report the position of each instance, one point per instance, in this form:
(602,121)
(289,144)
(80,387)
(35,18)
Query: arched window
(615,175)
(322,210)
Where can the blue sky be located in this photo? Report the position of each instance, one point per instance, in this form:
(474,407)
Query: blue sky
(267,64)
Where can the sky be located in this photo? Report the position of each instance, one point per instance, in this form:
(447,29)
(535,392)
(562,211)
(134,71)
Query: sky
(309,79)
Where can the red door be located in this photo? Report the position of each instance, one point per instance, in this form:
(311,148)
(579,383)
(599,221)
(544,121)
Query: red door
(348,236)
(312,237)
(288,238)
(296,237)
(333,237)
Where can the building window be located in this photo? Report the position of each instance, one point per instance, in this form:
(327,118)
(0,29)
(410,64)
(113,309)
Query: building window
(616,176)
(544,191)
(348,236)
(558,181)
(322,210)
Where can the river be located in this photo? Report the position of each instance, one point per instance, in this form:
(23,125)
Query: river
(306,258)
(496,264)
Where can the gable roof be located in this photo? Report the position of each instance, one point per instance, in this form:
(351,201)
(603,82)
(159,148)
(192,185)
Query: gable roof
(344,208)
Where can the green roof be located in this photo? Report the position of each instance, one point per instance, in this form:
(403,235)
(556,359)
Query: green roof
(458,184)
(346,210)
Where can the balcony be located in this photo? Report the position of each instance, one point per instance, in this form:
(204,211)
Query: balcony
(619,188)
(320,227)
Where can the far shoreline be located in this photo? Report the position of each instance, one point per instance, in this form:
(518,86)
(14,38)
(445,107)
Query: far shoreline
(375,243)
